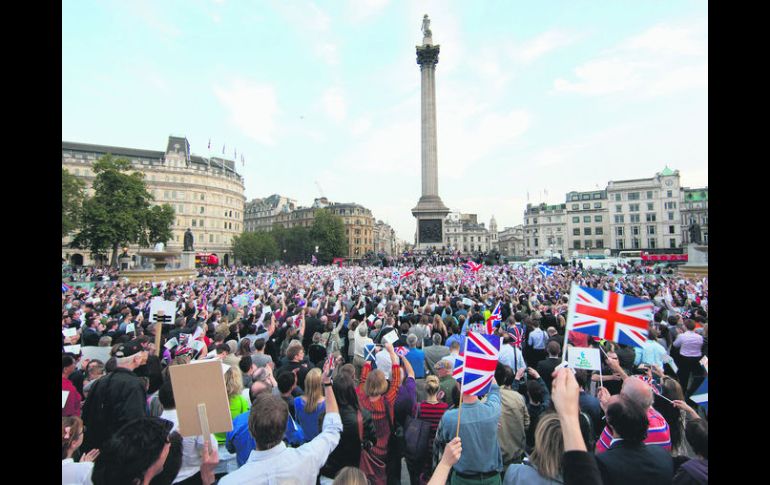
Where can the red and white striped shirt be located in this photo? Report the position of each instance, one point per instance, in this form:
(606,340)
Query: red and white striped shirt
(658,433)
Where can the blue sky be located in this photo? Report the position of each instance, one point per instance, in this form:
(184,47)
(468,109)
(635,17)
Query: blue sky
(533,98)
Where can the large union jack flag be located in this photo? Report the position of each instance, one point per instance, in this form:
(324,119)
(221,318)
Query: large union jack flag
(471,266)
(494,319)
(608,315)
(480,362)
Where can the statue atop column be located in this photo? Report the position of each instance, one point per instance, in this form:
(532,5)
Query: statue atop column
(188,240)
(426,32)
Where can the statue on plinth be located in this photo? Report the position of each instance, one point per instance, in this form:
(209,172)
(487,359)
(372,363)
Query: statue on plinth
(695,233)
(188,240)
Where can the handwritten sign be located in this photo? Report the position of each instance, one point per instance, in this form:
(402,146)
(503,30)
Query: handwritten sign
(168,309)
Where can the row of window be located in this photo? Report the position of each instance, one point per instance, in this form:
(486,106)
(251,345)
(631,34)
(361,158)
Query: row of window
(651,194)
(597,195)
(576,219)
(598,244)
(636,229)
(587,205)
(636,243)
(587,231)
(649,217)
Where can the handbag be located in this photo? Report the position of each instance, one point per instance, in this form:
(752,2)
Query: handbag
(373,467)
(416,436)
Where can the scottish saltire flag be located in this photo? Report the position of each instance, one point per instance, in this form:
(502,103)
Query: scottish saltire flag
(480,362)
(494,319)
(369,352)
(457,370)
(65,287)
(545,270)
(471,266)
(608,315)
(402,351)
(701,395)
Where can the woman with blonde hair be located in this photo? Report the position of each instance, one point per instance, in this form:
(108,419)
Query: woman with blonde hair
(71,439)
(350,475)
(430,410)
(238,405)
(309,406)
(545,462)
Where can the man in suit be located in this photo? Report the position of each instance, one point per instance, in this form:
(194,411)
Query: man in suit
(546,366)
(629,461)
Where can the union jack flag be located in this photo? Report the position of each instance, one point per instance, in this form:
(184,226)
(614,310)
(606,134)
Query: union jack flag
(516,335)
(480,362)
(402,351)
(406,275)
(701,395)
(457,370)
(545,270)
(494,319)
(608,315)
(65,288)
(396,276)
(471,266)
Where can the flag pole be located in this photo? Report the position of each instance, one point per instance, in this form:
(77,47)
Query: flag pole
(572,301)
(462,385)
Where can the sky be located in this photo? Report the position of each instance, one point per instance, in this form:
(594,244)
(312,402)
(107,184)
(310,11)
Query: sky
(534,99)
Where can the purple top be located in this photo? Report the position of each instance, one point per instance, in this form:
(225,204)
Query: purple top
(690,343)
(406,399)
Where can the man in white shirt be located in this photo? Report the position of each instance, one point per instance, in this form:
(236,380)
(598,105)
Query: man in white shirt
(272,461)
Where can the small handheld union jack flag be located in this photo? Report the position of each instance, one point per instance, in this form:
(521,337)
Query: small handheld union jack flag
(406,275)
(494,319)
(480,363)
(471,266)
(517,336)
(65,287)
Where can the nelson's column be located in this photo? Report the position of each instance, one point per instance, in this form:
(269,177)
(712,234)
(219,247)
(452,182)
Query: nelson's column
(430,211)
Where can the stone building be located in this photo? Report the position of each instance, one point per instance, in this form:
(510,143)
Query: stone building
(384,239)
(694,208)
(587,222)
(645,213)
(545,228)
(510,241)
(259,214)
(358,221)
(207,194)
(464,233)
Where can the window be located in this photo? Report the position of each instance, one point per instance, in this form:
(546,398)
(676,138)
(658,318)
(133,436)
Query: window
(575,207)
(671,230)
(649,194)
(619,219)
(597,205)
(200,222)
(597,218)
(619,244)
(576,231)
(619,231)
(650,217)
(669,193)
(585,196)
(202,209)
(575,197)
(617,197)
(587,244)
(651,230)
(672,243)
(633,207)
(597,196)
(670,216)
(634,217)
(194,223)
(651,243)
(535,241)
(586,231)
(202,196)
(587,205)
(633,196)
(599,244)
(576,220)
(211,238)
(670,205)
(650,206)
(618,208)
(586,218)
(636,243)
(576,244)
(598,231)
(634,230)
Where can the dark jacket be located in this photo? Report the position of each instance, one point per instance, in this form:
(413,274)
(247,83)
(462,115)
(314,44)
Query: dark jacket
(632,464)
(348,451)
(113,401)
(692,472)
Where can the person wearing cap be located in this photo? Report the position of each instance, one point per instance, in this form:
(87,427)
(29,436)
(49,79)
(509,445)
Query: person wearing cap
(117,398)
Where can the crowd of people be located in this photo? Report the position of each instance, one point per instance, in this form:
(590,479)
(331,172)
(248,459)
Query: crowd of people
(345,375)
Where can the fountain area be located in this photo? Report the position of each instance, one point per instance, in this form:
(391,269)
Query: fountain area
(160,265)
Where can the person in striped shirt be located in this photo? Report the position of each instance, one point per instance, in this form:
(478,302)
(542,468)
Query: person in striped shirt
(431,410)
(658,432)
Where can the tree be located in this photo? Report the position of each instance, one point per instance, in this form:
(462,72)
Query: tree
(255,248)
(119,212)
(72,197)
(157,226)
(328,233)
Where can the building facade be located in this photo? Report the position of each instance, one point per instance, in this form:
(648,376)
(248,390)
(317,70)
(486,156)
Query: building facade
(207,194)
(645,213)
(462,232)
(358,221)
(260,214)
(510,241)
(695,210)
(384,239)
(545,228)
(587,222)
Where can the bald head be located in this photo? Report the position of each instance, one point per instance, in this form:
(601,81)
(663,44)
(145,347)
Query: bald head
(638,391)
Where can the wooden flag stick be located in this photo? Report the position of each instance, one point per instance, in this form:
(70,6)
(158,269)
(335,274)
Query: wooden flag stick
(204,421)
(158,332)
(459,413)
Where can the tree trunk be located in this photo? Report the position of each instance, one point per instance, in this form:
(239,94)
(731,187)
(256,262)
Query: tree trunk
(114,260)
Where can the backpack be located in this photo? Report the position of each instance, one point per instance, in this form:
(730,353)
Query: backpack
(417,437)
(96,412)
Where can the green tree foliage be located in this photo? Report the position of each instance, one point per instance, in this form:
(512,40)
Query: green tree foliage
(255,248)
(119,212)
(328,233)
(72,196)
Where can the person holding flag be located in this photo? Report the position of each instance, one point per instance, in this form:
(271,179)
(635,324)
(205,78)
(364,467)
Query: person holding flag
(481,461)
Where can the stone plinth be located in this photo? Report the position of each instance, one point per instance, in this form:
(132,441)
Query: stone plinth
(697,261)
(188,260)
(135,276)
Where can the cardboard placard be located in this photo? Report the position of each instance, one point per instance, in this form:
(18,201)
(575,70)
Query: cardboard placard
(72,349)
(100,353)
(167,307)
(171,343)
(64,395)
(584,358)
(201,382)
(69,332)
(390,337)
(467,302)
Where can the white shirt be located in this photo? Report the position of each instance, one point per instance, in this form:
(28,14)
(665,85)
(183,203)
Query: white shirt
(191,448)
(76,473)
(289,466)
(511,357)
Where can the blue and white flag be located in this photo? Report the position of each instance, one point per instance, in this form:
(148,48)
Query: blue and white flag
(701,395)
(545,270)
(369,352)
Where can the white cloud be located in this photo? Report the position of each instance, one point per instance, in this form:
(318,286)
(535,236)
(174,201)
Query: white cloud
(363,9)
(328,52)
(360,126)
(541,45)
(333,103)
(663,59)
(252,108)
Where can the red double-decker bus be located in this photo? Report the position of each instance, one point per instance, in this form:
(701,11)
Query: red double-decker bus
(206,259)
(663,257)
